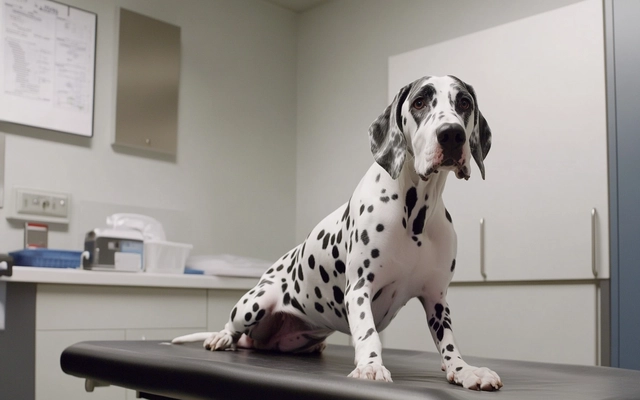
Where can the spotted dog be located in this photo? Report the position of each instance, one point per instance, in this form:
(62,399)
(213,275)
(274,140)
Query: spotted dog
(391,242)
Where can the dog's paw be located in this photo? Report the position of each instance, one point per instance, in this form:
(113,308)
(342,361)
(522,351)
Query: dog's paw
(374,372)
(474,378)
(220,341)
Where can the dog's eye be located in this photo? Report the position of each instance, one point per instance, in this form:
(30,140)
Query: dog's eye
(464,104)
(418,103)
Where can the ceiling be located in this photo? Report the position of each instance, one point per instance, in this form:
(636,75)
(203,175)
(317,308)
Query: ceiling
(297,5)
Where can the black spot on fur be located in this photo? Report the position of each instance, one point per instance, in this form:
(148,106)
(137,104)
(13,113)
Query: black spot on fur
(300,274)
(296,304)
(359,284)
(432,321)
(247,317)
(319,308)
(378,178)
(440,333)
(360,300)
(375,253)
(280,267)
(339,237)
(380,228)
(367,263)
(459,369)
(373,354)
(335,252)
(318,292)
(360,271)
(369,333)
(418,223)
(324,275)
(410,201)
(325,240)
(338,295)
(296,286)
(447,358)
(340,267)
(337,312)
(312,261)
(260,293)
(233,313)
(370,208)
(260,315)
(404,223)
(255,307)
(453,265)
(439,308)
(394,197)
(286,300)
(450,347)
(384,199)
(446,213)
(333,239)
(362,315)
(370,277)
(361,209)
(375,296)
(364,236)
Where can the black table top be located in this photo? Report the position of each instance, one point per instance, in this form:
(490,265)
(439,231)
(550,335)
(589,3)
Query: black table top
(190,372)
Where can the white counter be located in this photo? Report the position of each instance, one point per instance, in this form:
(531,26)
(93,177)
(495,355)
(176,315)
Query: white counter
(67,276)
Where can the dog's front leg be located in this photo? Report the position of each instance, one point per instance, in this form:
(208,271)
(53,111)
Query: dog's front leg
(368,348)
(458,371)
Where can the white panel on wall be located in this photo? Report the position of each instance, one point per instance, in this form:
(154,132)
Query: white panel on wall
(540,84)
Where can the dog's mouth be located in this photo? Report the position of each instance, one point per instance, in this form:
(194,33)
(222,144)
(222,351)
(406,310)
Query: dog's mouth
(461,170)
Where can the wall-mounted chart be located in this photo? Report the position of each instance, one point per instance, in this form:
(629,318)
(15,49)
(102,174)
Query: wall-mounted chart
(48,65)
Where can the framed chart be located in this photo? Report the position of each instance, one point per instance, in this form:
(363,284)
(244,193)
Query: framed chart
(48,65)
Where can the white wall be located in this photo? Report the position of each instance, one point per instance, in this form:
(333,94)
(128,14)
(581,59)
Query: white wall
(343,48)
(231,187)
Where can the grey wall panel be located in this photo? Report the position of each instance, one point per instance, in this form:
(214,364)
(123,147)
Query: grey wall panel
(17,343)
(626,37)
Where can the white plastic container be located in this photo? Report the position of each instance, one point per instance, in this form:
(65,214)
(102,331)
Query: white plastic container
(163,257)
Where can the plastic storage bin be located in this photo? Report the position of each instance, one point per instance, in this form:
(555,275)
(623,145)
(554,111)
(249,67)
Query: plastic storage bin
(47,258)
(165,257)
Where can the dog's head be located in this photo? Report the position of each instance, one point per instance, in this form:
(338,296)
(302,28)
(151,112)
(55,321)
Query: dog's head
(437,121)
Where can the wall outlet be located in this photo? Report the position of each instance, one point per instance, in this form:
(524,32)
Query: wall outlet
(39,205)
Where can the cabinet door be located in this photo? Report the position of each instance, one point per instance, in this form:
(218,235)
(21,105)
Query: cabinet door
(52,383)
(547,323)
(540,83)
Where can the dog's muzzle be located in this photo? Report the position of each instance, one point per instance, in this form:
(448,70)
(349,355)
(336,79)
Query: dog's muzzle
(451,137)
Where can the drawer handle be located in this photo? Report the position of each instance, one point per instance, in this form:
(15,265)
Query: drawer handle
(483,272)
(594,267)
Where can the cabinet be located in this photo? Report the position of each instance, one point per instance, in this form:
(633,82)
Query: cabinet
(540,83)
(546,323)
(68,314)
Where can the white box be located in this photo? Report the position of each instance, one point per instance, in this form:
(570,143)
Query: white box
(165,257)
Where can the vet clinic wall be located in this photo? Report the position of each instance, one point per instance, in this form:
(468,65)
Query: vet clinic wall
(230,188)
(343,50)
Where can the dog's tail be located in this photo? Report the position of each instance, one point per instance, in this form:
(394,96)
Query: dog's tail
(194,337)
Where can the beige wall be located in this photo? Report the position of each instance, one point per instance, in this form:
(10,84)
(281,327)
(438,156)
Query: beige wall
(343,48)
(231,187)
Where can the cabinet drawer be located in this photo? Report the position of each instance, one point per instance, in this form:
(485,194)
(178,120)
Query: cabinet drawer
(113,307)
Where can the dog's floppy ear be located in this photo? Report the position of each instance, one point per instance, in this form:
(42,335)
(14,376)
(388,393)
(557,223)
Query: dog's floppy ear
(388,144)
(480,141)
(482,144)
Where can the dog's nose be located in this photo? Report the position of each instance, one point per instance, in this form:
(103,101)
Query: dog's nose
(451,136)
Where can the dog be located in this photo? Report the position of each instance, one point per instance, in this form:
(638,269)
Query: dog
(391,242)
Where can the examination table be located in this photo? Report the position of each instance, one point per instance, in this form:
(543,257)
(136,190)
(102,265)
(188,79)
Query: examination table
(158,370)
